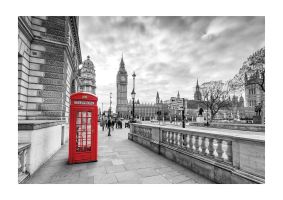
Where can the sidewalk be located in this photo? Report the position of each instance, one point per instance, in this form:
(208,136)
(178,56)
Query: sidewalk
(119,161)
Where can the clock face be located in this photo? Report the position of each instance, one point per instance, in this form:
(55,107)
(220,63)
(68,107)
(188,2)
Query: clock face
(123,78)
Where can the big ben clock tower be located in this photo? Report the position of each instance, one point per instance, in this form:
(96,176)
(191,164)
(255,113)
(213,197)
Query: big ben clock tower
(122,82)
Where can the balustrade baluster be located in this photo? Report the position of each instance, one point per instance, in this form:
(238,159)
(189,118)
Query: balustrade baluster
(175,139)
(210,147)
(172,138)
(229,151)
(168,137)
(203,147)
(197,144)
(179,144)
(185,141)
(25,161)
(191,142)
(219,149)
(19,162)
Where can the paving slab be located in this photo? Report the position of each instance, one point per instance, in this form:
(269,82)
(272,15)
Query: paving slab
(156,180)
(147,172)
(128,177)
(104,179)
(120,161)
(115,169)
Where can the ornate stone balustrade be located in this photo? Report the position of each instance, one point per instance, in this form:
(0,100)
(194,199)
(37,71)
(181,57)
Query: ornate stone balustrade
(223,156)
(202,144)
(143,131)
(23,173)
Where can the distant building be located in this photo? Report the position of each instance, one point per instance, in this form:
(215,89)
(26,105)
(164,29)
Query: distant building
(175,105)
(122,83)
(237,109)
(87,77)
(143,111)
(253,93)
(197,95)
(148,111)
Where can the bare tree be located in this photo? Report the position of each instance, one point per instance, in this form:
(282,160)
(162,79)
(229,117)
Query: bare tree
(253,65)
(215,96)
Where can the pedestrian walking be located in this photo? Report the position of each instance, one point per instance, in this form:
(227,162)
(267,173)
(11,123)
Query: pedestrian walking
(112,124)
(119,124)
(102,124)
(116,122)
(109,127)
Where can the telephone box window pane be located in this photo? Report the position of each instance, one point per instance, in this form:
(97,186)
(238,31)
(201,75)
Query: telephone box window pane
(83,114)
(83,140)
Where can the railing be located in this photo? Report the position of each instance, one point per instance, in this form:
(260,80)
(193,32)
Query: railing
(23,173)
(143,131)
(240,153)
(214,148)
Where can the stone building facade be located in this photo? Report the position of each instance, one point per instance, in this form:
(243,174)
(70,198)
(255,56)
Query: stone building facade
(87,77)
(253,93)
(49,56)
(148,111)
(143,111)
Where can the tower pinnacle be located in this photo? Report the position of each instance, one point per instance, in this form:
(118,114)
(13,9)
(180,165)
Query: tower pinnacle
(157,98)
(122,64)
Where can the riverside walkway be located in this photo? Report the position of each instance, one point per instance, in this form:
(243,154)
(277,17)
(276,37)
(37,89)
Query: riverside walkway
(119,161)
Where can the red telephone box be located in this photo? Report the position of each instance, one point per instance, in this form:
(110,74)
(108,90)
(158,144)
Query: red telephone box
(83,128)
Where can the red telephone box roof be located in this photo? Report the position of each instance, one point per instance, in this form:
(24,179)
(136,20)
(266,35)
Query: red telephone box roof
(84,96)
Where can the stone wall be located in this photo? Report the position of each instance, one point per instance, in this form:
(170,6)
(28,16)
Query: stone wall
(45,142)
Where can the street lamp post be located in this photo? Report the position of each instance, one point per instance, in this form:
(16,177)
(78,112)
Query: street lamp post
(109,113)
(110,101)
(183,113)
(133,95)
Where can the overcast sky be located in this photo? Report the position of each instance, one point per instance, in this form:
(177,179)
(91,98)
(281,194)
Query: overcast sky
(167,53)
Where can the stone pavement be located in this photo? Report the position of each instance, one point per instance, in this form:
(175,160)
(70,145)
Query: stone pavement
(119,161)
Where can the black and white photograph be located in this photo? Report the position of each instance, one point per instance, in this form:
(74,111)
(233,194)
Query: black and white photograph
(142,100)
(125,100)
